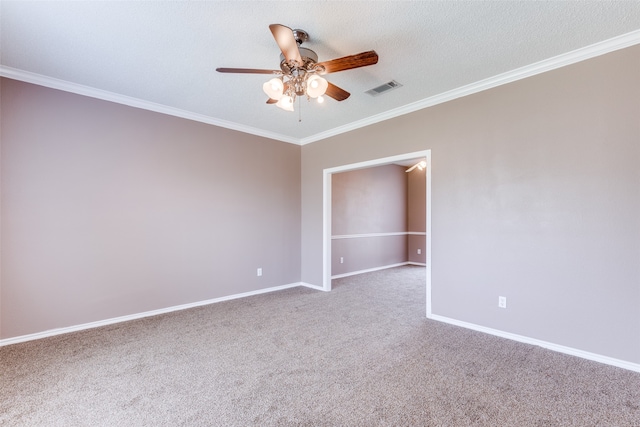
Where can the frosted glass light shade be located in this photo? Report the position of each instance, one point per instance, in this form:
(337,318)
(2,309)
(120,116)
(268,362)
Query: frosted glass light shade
(286,103)
(273,88)
(316,86)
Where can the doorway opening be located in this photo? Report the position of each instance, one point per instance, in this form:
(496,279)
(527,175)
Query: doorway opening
(327,210)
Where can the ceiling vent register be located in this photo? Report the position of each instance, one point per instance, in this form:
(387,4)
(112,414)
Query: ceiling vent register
(384,88)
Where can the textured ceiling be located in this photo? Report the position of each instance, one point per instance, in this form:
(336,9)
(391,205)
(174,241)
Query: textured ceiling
(163,55)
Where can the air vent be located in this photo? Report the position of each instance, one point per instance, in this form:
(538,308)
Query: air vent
(384,88)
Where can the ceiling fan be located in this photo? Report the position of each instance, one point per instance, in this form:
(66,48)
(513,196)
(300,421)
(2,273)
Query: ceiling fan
(300,72)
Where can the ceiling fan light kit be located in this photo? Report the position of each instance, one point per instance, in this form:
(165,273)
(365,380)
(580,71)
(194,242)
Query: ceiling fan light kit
(300,72)
(274,88)
(286,103)
(316,86)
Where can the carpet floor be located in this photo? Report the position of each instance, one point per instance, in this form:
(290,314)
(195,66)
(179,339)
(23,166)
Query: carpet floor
(361,355)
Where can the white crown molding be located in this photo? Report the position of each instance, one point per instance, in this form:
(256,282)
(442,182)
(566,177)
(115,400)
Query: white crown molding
(63,85)
(597,49)
(99,323)
(544,344)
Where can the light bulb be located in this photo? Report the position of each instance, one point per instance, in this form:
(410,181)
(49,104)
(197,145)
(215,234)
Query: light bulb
(274,88)
(320,99)
(316,86)
(286,103)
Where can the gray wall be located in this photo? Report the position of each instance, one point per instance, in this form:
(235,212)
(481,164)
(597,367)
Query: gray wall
(109,210)
(368,201)
(416,215)
(535,196)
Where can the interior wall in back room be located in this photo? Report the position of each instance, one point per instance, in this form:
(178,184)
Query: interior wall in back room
(535,195)
(416,216)
(109,210)
(365,203)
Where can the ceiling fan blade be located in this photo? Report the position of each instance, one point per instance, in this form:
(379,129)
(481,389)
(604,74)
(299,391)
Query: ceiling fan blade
(336,93)
(348,62)
(247,71)
(286,42)
(272,101)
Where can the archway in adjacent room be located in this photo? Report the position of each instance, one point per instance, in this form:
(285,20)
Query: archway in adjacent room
(402,159)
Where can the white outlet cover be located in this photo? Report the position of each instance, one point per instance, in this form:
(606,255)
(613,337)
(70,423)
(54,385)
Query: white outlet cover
(502,302)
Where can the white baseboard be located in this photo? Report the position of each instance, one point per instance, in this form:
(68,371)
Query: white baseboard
(368,270)
(420,264)
(551,346)
(97,324)
(515,337)
(316,287)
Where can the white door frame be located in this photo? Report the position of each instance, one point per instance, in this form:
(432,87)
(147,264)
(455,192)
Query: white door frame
(326,212)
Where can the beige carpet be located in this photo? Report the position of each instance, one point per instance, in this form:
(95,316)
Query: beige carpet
(362,355)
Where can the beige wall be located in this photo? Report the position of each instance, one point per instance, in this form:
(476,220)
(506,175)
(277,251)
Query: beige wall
(535,196)
(416,215)
(367,253)
(370,200)
(109,210)
(365,202)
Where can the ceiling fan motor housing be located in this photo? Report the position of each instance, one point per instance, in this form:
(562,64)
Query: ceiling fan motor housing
(309,59)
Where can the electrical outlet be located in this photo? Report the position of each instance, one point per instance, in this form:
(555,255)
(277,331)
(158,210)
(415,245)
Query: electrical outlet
(419,251)
(259,272)
(341,260)
(502,302)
